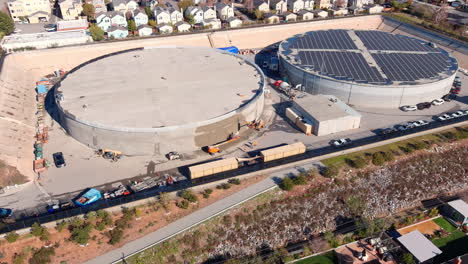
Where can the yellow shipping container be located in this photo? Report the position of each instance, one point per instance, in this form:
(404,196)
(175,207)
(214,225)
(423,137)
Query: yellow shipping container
(213,167)
(283,151)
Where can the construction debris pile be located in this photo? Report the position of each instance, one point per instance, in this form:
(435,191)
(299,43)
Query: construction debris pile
(380,192)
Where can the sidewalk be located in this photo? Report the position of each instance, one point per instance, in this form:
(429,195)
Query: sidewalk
(196,217)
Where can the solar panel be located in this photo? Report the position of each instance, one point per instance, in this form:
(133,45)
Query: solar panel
(411,67)
(335,39)
(348,65)
(377,40)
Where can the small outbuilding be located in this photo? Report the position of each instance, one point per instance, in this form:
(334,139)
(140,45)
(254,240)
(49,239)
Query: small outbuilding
(144,30)
(234,22)
(419,246)
(326,114)
(457,212)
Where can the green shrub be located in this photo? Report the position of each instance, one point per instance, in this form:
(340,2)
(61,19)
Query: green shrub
(433,212)
(184,204)
(330,172)
(358,162)
(61,226)
(91,216)
(115,235)
(418,145)
(300,179)
(234,181)
(80,233)
(11,237)
(378,159)
(286,184)
(408,259)
(388,156)
(42,256)
(19,258)
(206,193)
(224,186)
(406,149)
(189,196)
(40,231)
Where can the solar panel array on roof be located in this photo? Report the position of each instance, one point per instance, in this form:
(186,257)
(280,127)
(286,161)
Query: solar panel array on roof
(412,67)
(377,40)
(349,65)
(335,39)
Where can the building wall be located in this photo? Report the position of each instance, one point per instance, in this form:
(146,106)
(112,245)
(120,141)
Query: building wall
(367,95)
(24,8)
(149,141)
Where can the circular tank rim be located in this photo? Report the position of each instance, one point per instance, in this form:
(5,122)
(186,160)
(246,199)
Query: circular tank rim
(226,115)
(392,86)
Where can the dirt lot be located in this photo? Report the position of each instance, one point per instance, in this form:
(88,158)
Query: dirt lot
(427,227)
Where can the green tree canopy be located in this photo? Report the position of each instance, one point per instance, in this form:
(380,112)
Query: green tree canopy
(88,10)
(185,3)
(131,26)
(6,23)
(96,32)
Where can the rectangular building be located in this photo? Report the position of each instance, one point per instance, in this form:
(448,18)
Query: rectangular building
(21,10)
(65,25)
(326,113)
(44,40)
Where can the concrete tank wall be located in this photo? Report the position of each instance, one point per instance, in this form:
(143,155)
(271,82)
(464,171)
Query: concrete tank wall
(154,141)
(367,95)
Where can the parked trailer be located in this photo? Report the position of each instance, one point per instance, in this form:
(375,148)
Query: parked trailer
(90,196)
(283,151)
(213,167)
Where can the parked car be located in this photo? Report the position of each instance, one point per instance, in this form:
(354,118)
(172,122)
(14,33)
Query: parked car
(5,212)
(173,155)
(424,105)
(59,160)
(438,101)
(404,126)
(386,131)
(408,108)
(420,123)
(341,142)
(458,114)
(50,27)
(449,97)
(444,117)
(457,79)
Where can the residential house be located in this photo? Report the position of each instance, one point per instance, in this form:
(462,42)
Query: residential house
(338,4)
(374,9)
(23,9)
(224,11)
(234,22)
(175,15)
(149,3)
(99,6)
(117,32)
(124,6)
(325,4)
(164,28)
(140,18)
(38,17)
(309,5)
(117,19)
(194,12)
(144,30)
(103,21)
(208,13)
(305,15)
(182,26)
(261,6)
(272,18)
(279,5)
(320,13)
(212,23)
(295,5)
(456,212)
(419,246)
(339,11)
(162,15)
(359,3)
(70,9)
(288,16)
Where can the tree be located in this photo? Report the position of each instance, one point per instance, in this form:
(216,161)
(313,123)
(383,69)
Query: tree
(40,231)
(286,184)
(148,11)
(184,204)
(355,205)
(300,179)
(190,19)
(258,14)
(440,15)
(408,259)
(152,23)
(189,196)
(11,237)
(116,236)
(42,256)
(89,11)
(184,4)
(96,32)
(131,26)
(378,159)
(330,171)
(80,234)
(7,26)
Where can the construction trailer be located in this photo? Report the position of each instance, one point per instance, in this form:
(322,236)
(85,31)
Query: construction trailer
(283,151)
(213,167)
(90,196)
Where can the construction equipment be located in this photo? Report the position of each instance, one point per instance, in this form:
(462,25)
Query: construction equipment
(213,149)
(109,154)
(120,191)
(257,124)
(173,155)
(40,165)
(90,196)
